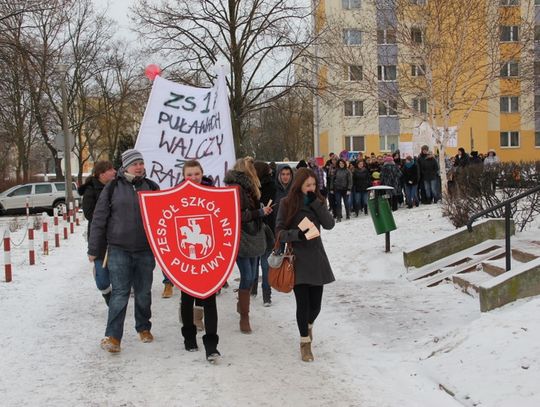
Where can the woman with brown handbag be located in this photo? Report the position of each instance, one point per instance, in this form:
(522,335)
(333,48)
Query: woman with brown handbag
(311,265)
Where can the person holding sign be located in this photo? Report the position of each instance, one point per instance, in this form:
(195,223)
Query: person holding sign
(300,217)
(252,240)
(193,171)
(117,220)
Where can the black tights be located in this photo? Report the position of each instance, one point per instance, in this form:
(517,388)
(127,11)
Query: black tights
(308,305)
(210,311)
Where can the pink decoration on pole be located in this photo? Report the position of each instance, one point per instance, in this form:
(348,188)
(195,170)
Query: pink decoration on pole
(151,71)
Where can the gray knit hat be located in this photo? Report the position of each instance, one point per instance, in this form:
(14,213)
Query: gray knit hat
(130,156)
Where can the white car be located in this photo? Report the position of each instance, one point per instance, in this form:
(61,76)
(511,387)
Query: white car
(42,196)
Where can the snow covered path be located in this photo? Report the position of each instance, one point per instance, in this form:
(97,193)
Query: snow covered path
(373,328)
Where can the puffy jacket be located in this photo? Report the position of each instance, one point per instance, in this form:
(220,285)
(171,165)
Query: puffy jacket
(342,180)
(118,220)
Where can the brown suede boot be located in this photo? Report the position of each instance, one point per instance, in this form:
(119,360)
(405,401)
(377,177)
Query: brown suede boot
(243,308)
(305,349)
(167,290)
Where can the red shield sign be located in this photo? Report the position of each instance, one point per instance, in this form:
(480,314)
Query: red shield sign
(194,232)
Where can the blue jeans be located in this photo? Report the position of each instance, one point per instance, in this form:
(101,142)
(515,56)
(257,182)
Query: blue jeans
(248,271)
(432,190)
(411,194)
(360,201)
(264,267)
(103,282)
(129,269)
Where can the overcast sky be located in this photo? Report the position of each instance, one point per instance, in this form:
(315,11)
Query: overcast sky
(117,10)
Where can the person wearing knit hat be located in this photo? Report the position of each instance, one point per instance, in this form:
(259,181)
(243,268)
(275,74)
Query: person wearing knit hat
(117,221)
(131,156)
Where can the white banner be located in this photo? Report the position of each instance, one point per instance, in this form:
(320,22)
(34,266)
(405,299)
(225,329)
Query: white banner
(183,123)
(423,134)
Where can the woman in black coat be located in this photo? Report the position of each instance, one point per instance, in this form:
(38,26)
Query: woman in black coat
(312,268)
(103,173)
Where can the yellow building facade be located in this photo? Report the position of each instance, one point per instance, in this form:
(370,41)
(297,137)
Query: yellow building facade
(395,65)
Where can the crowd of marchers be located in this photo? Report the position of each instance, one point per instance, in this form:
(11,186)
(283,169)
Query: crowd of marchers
(272,204)
(414,180)
(275,200)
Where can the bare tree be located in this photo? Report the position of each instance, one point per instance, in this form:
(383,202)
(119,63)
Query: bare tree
(259,40)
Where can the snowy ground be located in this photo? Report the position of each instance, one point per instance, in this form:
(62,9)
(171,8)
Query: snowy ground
(379,341)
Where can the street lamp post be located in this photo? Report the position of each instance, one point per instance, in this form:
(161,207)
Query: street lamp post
(62,69)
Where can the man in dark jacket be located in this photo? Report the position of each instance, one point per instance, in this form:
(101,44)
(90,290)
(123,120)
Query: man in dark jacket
(117,220)
(429,169)
(103,173)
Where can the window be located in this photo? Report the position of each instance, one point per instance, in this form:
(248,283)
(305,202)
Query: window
(44,189)
(509,138)
(417,36)
(388,143)
(355,143)
(537,68)
(536,103)
(353,73)
(537,32)
(386,37)
(25,190)
(509,104)
(537,139)
(352,36)
(350,4)
(387,72)
(387,108)
(509,33)
(353,108)
(537,2)
(510,68)
(418,70)
(509,2)
(419,2)
(419,105)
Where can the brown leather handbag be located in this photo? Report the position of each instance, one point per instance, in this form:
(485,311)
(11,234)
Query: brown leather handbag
(281,276)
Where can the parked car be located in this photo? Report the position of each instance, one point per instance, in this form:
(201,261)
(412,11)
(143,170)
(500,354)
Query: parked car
(42,196)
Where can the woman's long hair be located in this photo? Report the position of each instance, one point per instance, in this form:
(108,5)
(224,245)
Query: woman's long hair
(246,166)
(295,198)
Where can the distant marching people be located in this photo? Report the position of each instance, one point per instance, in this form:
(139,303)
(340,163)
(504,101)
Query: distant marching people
(342,184)
(361,182)
(312,268)
(391,176)
(117,220)
(102,173)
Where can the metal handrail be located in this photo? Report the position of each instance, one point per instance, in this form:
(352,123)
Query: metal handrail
(507,209)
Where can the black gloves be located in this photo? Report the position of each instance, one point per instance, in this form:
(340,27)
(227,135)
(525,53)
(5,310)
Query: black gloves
(311,196)
(302,234)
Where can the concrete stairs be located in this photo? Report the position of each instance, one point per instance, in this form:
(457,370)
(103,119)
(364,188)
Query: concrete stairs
(480,270)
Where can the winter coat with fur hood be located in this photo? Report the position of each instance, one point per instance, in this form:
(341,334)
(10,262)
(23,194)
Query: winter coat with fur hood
(250,206)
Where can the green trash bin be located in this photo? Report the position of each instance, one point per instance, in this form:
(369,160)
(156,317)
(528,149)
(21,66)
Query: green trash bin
(381,214)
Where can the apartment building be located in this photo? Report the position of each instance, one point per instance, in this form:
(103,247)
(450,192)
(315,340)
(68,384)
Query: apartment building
(448,73)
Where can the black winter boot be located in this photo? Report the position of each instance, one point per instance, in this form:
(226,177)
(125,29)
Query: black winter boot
(210,346)
(267,297)
(190,338)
